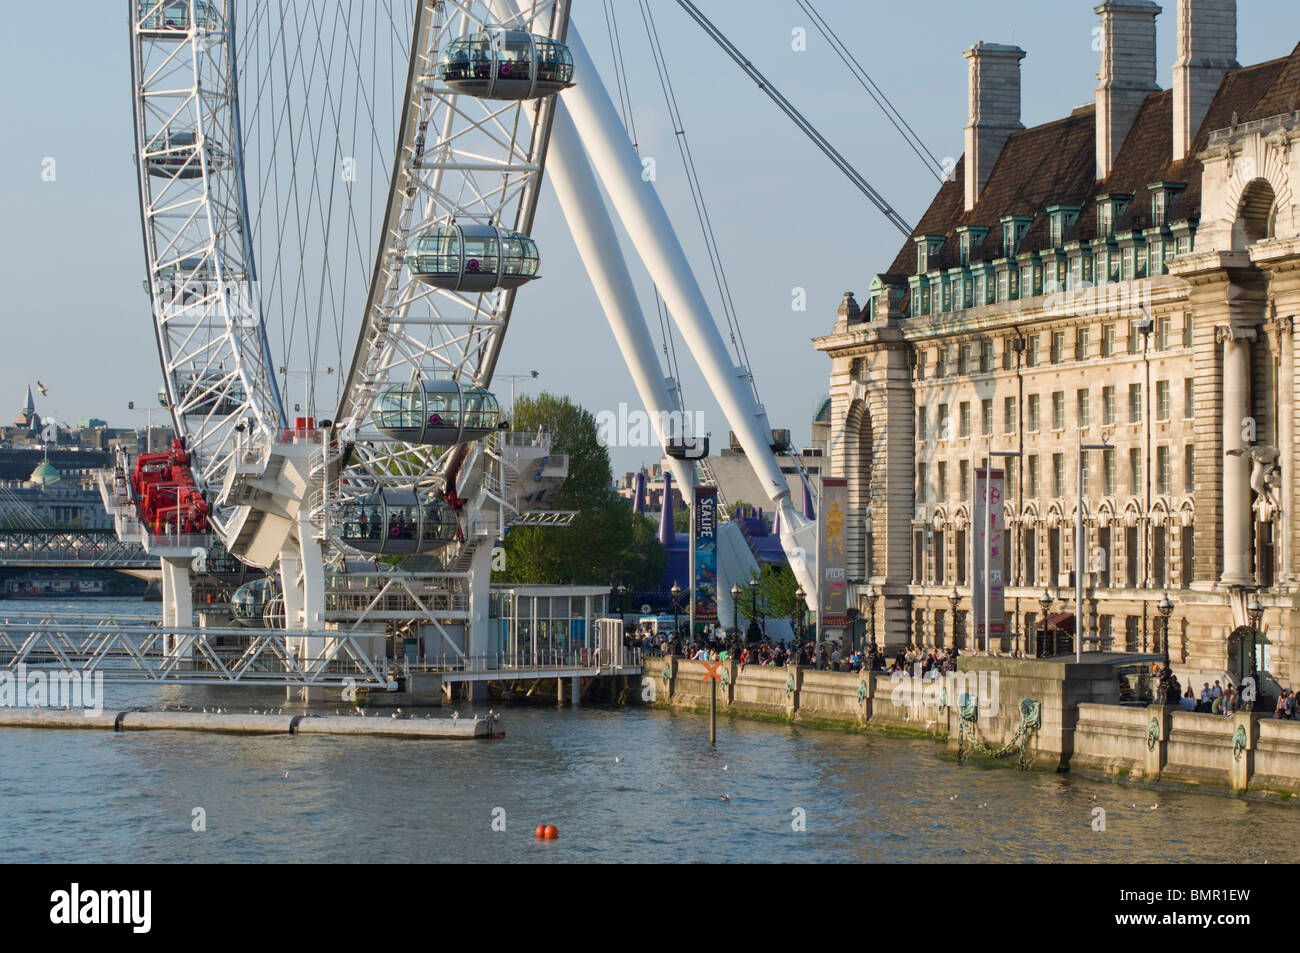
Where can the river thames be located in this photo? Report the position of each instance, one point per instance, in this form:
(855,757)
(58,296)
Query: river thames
(621,784)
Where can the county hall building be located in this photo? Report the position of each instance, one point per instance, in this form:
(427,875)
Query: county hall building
(1127,275)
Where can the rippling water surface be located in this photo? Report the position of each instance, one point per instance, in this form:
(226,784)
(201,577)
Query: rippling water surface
(621,785)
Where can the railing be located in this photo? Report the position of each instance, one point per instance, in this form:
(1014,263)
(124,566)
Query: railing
(1261,126)
(70,547)
(554,660)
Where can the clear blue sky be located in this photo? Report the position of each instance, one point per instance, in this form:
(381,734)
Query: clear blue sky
(75,315)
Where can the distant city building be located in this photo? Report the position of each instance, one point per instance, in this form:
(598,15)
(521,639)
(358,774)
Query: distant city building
(1127,274)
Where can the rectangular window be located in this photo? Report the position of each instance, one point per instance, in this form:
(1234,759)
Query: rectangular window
(1104,219)
(1057,229)
(1162,469)
(1058,410)
(1189,398)
(1187,543)
(1135,471)
(1033,413)
(940,553)
(1163,325)
(1189,467)
(920,482)
(1134,335)
(1058,474)
(1008,355)
(1108,405)
(943,483)
(1108,472)
(941,362)
(964,419)
(1031,352)
(1083,471)
(1058,346)
(1081,343)
(1187,329)
(1003,289)
(1030,563)
(986,356)
(922,422)
(1108,340)
(986,416)
(963,470)
(1033,477)
(963,360)
(1083,408)
(1009,415)
(1134,403)
(1162,400)
(1158,207)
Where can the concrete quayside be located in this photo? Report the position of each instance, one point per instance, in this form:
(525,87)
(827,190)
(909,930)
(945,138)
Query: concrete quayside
(392,726)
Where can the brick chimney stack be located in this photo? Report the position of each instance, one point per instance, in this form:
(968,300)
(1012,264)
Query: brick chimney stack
(994,110)
(1128,72)
(1207,48)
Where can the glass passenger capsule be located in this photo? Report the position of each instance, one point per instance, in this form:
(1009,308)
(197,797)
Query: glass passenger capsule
(174,155)
(436,412)
(472,257)
(249,604)
(499,63)
(397,522)
(171,18)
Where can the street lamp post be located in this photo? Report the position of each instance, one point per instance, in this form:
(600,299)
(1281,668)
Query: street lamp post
(752,634)
(954,599)
(1255,613)
(1166,688)
(1045,602)
(872,595)
(676,592)
(735,617)
(1078,543)
(799,630)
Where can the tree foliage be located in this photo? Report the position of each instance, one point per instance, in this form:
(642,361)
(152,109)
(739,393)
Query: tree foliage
(776,593)
(606,542)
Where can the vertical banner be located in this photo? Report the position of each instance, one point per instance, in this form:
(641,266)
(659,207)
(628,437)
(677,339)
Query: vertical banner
(831,562)
(705,581)
(989,540)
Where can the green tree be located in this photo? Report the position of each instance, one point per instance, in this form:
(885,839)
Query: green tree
(606,541)
(776,593)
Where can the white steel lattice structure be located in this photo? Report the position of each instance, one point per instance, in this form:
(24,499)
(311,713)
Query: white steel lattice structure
(457,159)
(212,341)
(460,160)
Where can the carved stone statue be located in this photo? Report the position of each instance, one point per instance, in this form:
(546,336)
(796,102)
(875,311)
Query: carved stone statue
(1265,479)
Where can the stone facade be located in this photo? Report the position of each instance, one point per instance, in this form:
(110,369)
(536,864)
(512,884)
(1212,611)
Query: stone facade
(1151,311)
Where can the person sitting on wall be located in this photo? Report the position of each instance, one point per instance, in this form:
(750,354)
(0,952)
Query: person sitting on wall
(1188,700)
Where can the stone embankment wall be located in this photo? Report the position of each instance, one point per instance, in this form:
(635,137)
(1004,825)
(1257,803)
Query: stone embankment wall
(1082,724)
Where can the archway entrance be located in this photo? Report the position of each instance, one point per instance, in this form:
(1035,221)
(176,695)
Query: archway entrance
(1256,214)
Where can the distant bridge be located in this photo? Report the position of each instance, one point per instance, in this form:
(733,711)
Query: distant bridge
(70,549)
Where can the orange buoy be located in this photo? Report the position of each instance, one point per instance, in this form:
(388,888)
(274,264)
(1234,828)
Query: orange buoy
(551,832)
(541,830)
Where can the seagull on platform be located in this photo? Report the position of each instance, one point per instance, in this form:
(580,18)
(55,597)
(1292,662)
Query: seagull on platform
(618,760)
(726,797)
(953,798)
(1153,807)
(724,767)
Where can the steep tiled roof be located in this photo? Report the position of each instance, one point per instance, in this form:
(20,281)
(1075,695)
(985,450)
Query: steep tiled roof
(1055,163)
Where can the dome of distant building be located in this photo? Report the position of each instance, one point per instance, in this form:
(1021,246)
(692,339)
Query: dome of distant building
(45,474)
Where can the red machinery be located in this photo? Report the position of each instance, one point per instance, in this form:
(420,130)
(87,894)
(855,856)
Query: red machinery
(167,499)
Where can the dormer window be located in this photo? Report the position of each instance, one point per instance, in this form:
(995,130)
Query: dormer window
(927,247)
(1163,195)
(968,239)
(1060,218)
(1013,230)
(1109,209)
